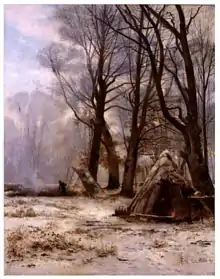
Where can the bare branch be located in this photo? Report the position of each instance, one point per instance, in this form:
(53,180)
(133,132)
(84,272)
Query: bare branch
(192,17)
(162,19)
(117,106)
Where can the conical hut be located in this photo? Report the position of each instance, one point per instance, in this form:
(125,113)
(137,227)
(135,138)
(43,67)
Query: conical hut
(165,193)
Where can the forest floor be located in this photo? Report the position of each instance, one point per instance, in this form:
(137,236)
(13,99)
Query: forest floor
(78,236)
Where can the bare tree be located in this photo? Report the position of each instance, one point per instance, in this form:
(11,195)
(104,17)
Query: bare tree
(174,28)
(33,134)
(104,66)
(112,158)
(139,97)
(203,51)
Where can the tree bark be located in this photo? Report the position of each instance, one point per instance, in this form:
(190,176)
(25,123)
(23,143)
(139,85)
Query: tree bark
(88,181)
(95,148)
(132,153)
(205,143)
(197,166)
(99,124)
(130,167)
(112,158)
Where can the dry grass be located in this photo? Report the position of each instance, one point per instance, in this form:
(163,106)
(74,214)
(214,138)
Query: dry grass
(80,231)
(24,241)
(21,202)
(106,250)
(22,212)
(92,234)
(180,259)
(65,207)
(15,202)
(12,247)
(121,211)
(212,221)
(158,244)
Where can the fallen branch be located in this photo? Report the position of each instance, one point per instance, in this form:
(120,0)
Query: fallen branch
(201,197)
(151,216)
(48,190)
(12,186)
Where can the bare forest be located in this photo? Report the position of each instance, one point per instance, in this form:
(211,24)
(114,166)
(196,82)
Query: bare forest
(110,169)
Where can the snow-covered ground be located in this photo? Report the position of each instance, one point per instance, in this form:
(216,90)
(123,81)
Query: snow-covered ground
(73,236)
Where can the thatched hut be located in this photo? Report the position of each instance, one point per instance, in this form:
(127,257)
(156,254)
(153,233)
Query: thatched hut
(165,193)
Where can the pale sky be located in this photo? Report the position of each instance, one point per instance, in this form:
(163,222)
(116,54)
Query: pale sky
(27,29)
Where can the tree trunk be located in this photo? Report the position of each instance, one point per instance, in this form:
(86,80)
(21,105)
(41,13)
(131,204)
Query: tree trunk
(205,144)
(202,181)
(112,158)
(95,147)
(98,123)
(130,168)
(88,181)
(197,167)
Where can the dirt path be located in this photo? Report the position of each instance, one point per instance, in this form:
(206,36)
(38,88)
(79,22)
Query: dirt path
(72,236)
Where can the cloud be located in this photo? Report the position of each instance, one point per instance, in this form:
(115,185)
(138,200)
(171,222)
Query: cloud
(27,30)
(24,77)
(32,20)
